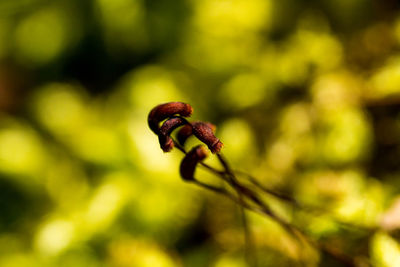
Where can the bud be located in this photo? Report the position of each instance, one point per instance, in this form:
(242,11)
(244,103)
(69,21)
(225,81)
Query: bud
(163,111)
(190,161)
(166,142)
(186,131)
(205,134)
(183,134)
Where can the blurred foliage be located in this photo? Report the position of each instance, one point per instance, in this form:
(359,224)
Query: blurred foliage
(305,96)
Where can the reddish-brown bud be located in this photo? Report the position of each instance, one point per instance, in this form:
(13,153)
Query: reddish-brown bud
(163,111)
(186,131)
(190,161)
(205,134)
(166,142)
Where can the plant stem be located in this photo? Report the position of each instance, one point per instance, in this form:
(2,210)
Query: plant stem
(228,175)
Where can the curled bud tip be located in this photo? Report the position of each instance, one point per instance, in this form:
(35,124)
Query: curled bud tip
(166,142)
(216,148)
(171,124)
(205,134)
(190,161)
(163,111)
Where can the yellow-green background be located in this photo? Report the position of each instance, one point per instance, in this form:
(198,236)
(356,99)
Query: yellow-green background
(305,95)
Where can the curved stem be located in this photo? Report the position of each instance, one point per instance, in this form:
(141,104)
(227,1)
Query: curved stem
(228,175)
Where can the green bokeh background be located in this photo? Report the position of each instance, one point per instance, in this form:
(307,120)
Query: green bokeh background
(305,96)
